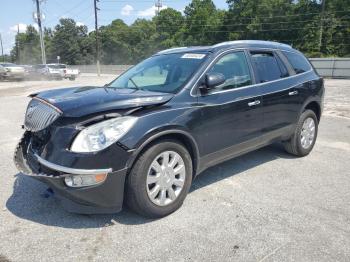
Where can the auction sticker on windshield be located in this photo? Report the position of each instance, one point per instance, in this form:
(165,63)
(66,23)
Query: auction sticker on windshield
(193,56)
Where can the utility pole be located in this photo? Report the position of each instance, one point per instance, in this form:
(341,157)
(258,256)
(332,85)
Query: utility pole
(97,40)
(159,6)
(17,46)
(321,25)
(42,44)
(2,50)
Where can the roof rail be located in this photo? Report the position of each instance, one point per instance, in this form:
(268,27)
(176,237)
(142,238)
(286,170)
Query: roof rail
(251,42)
(172,49)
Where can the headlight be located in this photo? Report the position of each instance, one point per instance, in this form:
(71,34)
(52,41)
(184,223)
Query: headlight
(101,135)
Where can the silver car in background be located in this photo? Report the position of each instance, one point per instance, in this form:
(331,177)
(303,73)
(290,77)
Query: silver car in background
(68,73)
(49,71)
(2,72)
(13,71)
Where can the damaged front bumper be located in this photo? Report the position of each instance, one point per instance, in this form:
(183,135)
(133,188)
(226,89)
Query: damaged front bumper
(104,197)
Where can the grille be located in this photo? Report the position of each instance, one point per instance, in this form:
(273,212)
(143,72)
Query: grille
(39,115)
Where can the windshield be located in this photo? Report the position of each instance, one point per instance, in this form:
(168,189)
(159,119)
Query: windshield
(163,73)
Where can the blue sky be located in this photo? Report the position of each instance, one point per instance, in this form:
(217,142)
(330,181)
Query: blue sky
(20,12)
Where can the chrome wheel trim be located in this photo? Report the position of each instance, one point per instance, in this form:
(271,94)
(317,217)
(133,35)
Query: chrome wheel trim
(165,178)
(307,134)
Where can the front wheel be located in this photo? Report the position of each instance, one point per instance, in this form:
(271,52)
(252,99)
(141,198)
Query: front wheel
(160,179)
(304,137)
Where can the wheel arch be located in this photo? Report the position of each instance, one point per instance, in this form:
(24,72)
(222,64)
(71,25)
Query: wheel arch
(315,107)
(175,134)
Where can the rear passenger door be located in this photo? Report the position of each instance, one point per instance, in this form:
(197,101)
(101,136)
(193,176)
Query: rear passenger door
(278,93)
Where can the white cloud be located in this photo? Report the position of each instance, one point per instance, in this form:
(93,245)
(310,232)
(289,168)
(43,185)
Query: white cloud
(150,11)
(80,24)
(21,27)
(126,10)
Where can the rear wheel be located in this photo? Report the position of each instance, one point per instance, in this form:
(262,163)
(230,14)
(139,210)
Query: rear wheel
(160,179)
(304,137)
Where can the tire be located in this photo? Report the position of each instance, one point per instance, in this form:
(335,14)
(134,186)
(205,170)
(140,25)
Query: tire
(138,189)
(294,144)
(72,78)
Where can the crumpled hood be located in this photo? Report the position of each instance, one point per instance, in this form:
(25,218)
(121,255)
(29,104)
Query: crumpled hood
(80,101)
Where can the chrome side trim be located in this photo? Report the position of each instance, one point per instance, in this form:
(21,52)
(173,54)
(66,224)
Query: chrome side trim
(72,171)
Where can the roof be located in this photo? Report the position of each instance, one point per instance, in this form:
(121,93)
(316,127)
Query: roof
(229,44)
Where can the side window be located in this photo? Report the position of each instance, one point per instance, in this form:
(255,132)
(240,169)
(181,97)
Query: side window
(234,67)
(283,68)
(298,62)
(267,66)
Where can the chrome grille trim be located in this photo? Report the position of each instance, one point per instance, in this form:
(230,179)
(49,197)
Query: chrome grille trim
(39,115)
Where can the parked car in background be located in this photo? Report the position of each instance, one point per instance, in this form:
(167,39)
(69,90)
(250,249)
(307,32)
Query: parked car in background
(2,72)
(67,72)
(13,71)
(49,71)
(145,136)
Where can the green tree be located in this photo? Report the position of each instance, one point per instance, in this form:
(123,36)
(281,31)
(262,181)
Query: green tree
(170,28)
(69,42)
(115,43)
(202,23)
(28,47)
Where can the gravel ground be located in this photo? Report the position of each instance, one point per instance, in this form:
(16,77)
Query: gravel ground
(263,206)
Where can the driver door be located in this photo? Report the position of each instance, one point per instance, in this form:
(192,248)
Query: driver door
(231,115)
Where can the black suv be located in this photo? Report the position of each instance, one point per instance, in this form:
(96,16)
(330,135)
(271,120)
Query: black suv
(146,135)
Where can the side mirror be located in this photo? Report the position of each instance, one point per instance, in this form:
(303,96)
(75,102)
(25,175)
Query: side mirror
(213,80)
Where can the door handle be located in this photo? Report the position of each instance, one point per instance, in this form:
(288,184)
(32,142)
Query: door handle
(293,93)
(254,103)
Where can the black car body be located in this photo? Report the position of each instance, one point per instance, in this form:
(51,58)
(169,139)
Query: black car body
(272,85)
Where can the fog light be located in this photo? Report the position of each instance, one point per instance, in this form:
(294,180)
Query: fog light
(84,180)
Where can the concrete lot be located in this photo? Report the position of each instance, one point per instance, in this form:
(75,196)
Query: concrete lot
(264,206)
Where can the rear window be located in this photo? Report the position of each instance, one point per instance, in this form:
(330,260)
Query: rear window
(267,66)
(298,62)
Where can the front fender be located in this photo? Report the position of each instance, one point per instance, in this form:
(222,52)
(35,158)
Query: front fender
(156,134)
(177,122)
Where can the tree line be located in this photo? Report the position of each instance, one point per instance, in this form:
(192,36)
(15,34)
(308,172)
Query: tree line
(300,23)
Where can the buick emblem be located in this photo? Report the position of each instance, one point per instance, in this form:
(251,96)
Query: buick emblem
(30,111)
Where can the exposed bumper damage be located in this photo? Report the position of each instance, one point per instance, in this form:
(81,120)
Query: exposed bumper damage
(106,197)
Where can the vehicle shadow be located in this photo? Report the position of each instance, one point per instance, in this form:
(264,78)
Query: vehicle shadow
(31,201)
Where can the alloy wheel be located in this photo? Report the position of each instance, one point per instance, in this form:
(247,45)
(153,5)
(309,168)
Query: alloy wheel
(307,134)
(165,178)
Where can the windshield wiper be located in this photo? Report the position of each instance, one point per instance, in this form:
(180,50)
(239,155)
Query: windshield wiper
(133,82)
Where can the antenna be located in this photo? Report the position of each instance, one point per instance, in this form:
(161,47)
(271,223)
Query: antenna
(158,5)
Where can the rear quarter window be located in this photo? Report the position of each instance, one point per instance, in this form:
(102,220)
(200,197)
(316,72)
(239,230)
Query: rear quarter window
(298,62)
